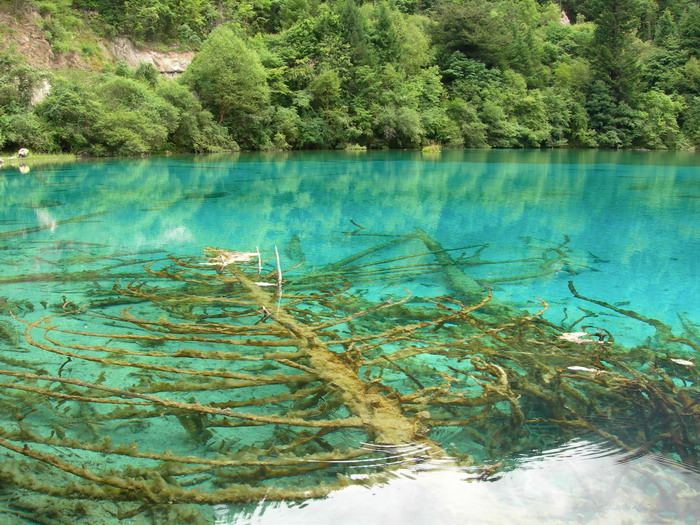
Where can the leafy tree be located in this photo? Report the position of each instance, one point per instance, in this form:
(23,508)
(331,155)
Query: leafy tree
(472,27)
(253,16)
(469,78)
(287,126)
(689,29)
(148,19)
(472,131)
(691,121)
(293,11)
(522,23)
(135,120)
(615,92)
(315,133)
(402,73)
(19,127)
(614,62)
(18,81)
(25,130)
(384,35)
(325,89)
(230,80)
(415,49)
(658,127)
(193,18)
(688,78)
(666,30)
(399,127)
(613,121)
(72,112)
(661,68)
(147,73)
(355,31)
(164,20)
(552,118)
(573,75)
(111,115)
(196,129)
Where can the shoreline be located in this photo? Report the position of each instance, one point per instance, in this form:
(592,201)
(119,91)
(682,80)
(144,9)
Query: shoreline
(36,160)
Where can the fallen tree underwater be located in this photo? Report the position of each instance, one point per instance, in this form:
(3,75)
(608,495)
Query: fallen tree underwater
(228,380)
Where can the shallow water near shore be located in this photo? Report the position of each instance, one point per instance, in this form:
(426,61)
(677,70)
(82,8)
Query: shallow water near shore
(619,226)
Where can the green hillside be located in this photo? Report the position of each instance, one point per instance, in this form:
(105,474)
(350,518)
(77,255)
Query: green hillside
(307,74)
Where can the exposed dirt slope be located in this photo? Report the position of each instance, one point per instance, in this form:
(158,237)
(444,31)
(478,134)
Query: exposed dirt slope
(24,36)
(23,33)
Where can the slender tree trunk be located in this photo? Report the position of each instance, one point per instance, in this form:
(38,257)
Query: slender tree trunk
(221,113)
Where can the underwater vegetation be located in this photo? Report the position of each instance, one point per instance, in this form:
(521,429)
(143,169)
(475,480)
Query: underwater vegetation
(222,378)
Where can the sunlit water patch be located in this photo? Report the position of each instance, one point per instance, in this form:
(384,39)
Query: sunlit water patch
(476,337)
(578,482)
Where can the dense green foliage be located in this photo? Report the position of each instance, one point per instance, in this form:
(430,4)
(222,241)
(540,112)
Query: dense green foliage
(119,113)
(280,74)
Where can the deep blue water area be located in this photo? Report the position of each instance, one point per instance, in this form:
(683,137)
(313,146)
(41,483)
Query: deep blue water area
(622,226)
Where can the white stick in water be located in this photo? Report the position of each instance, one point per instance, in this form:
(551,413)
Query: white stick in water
(279,269)
(279,279)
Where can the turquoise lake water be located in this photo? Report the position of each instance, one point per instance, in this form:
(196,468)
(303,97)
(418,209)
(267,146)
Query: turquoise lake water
(628,223)
(630,216)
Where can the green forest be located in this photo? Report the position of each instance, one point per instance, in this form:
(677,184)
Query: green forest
(347,74)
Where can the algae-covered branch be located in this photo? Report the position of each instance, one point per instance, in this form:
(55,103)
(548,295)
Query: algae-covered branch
(221,378)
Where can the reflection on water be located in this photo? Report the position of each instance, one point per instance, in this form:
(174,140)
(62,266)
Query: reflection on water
(581,481)
(627,213)
(398,389)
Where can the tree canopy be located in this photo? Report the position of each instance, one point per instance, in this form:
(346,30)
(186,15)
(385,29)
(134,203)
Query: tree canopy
(387,74)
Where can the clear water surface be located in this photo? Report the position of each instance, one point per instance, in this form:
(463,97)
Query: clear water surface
(628,222)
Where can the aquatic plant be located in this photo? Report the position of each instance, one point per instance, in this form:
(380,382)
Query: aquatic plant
(226,379)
